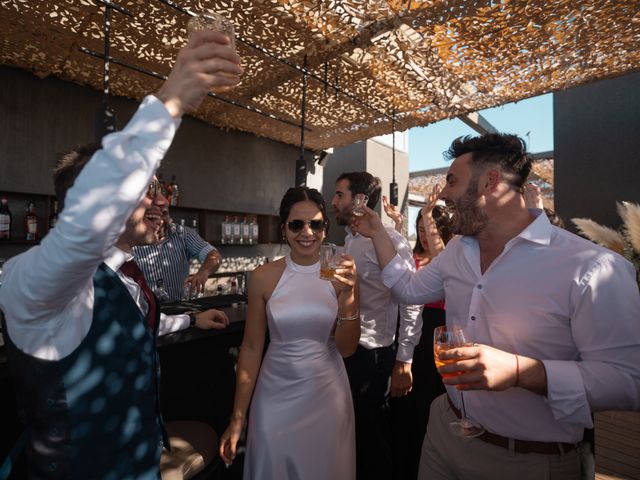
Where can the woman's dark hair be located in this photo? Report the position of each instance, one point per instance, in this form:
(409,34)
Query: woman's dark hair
(509,152)
(300,194)
(443,224)
(553,217)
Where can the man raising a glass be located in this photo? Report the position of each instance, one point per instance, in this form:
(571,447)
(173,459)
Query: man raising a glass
(81,324)
(552,324)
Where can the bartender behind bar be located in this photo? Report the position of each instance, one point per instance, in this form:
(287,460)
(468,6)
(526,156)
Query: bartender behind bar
(80,337)
(166,264)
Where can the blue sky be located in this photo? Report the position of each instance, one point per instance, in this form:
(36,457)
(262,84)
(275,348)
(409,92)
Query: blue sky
(534,115)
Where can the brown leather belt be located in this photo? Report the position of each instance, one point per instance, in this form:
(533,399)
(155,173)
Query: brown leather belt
(520,446)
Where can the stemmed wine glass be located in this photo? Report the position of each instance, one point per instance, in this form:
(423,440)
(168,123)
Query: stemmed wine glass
(444,339)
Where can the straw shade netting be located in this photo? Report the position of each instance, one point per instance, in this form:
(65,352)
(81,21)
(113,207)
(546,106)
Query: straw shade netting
(423,60)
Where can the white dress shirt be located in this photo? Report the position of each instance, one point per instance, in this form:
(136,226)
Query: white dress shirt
(549,295)
(47,292)
(378,308)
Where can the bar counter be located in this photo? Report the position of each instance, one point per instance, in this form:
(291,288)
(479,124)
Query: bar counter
(234,306)
(198,366)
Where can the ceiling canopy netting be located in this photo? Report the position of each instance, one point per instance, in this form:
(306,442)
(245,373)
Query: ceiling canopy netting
(424,60)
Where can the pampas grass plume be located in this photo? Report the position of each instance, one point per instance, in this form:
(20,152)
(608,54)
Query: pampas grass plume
(630,214)
(605,236)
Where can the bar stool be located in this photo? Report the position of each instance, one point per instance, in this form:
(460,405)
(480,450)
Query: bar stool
(194,452)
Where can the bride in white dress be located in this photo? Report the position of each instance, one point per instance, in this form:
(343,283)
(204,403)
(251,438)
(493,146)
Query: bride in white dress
(301,423)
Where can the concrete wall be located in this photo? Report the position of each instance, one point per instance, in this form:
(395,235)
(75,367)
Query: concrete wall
(217,169)
(597,149)
(373,157)
(350,158)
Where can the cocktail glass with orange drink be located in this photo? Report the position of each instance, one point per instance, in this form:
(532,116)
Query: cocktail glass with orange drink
(446,338)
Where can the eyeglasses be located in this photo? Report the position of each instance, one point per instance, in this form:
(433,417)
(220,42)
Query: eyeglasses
(296,226)
(154,189)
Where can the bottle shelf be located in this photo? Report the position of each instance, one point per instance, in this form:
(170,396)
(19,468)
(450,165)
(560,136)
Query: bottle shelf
(209,221)
(43,204)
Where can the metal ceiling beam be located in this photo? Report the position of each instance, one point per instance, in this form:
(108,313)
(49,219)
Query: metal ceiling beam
(548,155)
(431,171)
(478,123)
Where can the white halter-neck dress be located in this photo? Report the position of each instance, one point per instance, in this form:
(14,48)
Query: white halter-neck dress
(301,423)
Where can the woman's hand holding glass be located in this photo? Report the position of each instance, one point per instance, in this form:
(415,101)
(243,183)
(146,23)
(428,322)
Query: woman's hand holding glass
(345,277)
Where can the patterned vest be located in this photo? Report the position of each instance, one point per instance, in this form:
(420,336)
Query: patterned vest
(95,413)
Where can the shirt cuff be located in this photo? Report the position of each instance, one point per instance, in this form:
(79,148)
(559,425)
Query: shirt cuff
(173,323)
(405,353)
(565,393)
(206,250)
(393,271)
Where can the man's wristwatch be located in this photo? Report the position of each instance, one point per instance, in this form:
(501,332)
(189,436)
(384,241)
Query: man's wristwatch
(192,319)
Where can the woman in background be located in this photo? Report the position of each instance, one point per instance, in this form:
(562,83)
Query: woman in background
(301,424)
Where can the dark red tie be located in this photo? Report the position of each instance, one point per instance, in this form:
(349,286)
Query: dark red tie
(131,270)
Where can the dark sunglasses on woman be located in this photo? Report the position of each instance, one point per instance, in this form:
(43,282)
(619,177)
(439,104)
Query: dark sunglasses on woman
(296,226)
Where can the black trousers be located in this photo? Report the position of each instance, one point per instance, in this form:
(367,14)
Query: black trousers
(410,414)
(369,376)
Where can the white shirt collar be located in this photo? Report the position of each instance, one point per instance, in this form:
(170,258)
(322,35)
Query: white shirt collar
(116,258)
(538,231)
(349,232)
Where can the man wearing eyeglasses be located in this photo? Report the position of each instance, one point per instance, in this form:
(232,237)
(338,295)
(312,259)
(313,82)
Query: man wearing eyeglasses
(81,324)
(169,259)
(377,370)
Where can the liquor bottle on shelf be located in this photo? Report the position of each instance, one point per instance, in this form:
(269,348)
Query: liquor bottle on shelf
(254,230)
(237,238)
(173,192)
(246,232)
(53,218)
(5,219)
(31,222)
(225,237)
(195,224)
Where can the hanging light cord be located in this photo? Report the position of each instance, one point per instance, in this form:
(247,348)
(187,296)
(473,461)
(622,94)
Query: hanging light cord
(393,143)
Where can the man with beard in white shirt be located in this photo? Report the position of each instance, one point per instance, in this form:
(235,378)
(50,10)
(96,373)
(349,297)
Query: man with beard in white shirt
(554,318)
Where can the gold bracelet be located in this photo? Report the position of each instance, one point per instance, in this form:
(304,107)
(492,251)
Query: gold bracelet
(355,316)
